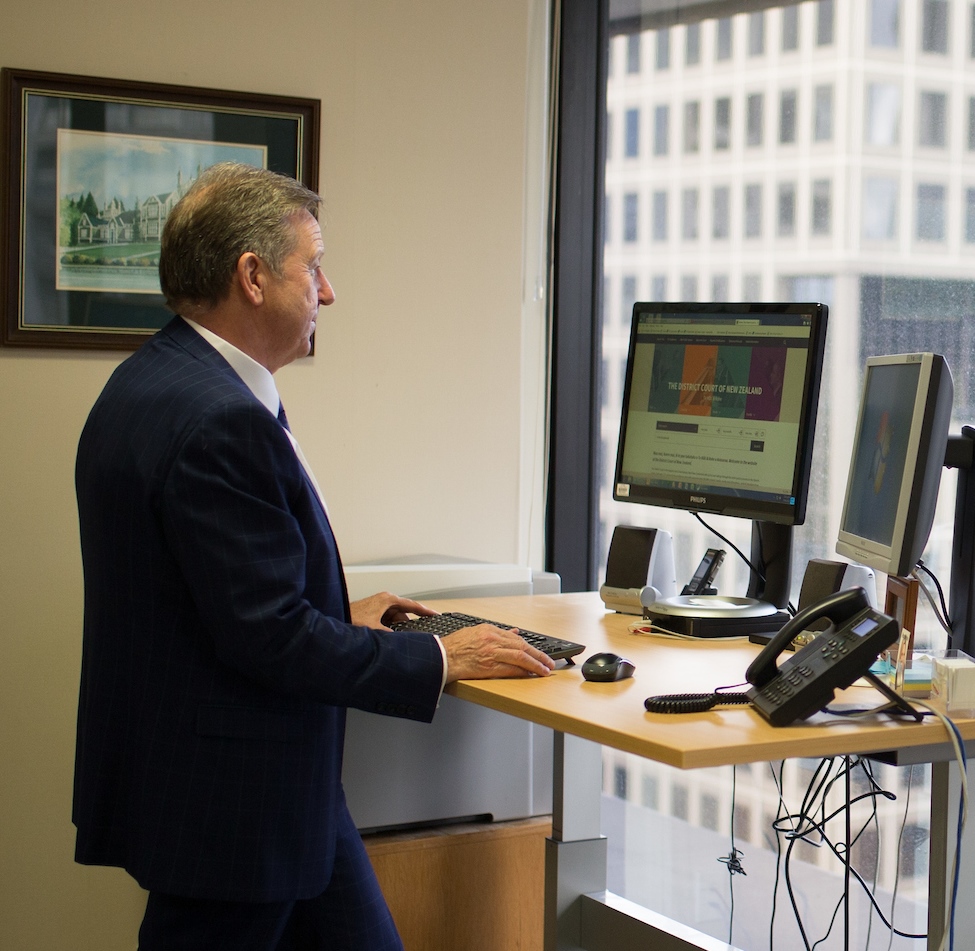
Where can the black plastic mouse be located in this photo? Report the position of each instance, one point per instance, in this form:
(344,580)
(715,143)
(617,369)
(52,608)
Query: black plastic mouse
(603,668)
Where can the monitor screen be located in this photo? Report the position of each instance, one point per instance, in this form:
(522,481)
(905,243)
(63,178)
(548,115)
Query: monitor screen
(898,454)
(719,408)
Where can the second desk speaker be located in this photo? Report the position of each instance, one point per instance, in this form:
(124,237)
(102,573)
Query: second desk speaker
(639,569)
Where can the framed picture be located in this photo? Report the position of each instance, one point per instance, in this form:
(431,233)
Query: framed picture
(91,168)
(901,604)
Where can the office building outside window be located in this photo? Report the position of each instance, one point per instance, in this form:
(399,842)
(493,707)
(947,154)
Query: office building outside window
(756,33)
(631,148)
(661,129)
(862,195)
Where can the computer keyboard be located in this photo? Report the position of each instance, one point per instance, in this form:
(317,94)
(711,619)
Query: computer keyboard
(443,624)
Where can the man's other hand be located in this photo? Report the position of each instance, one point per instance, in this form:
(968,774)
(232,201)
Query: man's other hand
(380,610)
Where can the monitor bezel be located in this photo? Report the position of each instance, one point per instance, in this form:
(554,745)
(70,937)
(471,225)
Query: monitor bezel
(723,502)
(924,461)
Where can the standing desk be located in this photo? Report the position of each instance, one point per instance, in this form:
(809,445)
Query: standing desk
(579,912)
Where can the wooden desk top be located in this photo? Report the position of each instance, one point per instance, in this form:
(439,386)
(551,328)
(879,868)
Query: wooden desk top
(613,714)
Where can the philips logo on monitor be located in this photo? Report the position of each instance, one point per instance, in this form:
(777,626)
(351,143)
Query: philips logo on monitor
(699,499)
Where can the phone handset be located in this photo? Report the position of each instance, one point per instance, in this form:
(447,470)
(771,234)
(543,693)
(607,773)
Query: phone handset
(836,608)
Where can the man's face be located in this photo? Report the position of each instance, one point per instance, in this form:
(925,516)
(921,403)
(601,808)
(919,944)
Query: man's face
(294,298)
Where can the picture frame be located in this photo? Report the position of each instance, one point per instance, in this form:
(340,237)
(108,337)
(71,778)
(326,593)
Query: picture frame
(91,167)
(901,604)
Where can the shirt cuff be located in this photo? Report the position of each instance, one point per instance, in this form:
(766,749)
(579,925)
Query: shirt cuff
(443,653)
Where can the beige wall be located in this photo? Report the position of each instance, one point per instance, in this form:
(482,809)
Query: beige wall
(430,345)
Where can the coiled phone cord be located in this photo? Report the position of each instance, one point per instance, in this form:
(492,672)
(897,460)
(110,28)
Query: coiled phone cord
(692,702)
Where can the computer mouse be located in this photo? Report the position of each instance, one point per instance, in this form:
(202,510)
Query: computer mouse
(606,667)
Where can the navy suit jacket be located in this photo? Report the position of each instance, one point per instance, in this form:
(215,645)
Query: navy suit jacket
(218,656)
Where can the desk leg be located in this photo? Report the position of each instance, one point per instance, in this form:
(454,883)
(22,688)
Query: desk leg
(575,856)
(945,794)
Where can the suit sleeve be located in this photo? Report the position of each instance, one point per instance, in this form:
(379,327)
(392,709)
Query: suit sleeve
(259,558)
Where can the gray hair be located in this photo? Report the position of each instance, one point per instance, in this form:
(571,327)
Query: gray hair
(229,210)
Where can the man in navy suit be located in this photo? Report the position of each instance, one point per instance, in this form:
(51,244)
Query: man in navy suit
(220,648)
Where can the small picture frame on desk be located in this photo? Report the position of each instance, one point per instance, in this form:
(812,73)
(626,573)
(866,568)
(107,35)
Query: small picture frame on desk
(901,604)
(91,167)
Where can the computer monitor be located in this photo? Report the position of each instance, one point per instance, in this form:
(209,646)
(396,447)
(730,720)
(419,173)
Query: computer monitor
(898,454)
(719,413)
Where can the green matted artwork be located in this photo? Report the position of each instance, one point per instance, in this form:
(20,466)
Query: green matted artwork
(91,169)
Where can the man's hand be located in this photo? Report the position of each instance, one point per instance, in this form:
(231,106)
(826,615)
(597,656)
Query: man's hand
(378,611)
(486,651)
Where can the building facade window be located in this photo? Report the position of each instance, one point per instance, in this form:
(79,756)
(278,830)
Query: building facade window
(658,287)
(751,287)
(971,120)
(688,287)
(689,214)
(822,207)
(883,114)
(632,133)
(753,211)
(790,29)
(885,23)
(932,120)
(823,115)
(663,49)
(633,53)
(692,44)
(930,212)
(722,123)
(786,224)
(879,212)
(756,33)
(970,215)
(824,22)
(721,212)
(755,118)
(722,46)
(787,116)
(661,130)
(631,210)
(659,232)
(692,126)
(934,26)
(719,287)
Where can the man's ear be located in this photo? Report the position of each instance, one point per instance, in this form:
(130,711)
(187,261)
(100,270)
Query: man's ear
(251,276)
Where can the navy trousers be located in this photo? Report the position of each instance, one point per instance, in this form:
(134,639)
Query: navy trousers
(350,915)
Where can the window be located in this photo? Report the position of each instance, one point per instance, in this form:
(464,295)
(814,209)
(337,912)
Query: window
(692,44)
(934,26)
(883,114)
(661,130)
(823,120)
(688,287)
(931,212)
(631,207)
(879,214)
(822,207)
(755,118)
(787,116)
(692,126)
(659,216)
(689,203)
(658,287)
(632,147)
(787,210)
(722,123)
(824,23)
(721,212)
(885,23)
(970,215)
(790,29)
(719,287)
(932,120)
(751,287)
(633,53)
(753,211)
(723,44)
(663,49)
(756,33)
(971,120)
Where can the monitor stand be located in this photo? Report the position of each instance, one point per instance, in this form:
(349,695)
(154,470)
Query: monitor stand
(761,612)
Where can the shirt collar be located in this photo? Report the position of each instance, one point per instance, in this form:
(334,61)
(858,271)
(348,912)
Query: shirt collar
(257,378)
